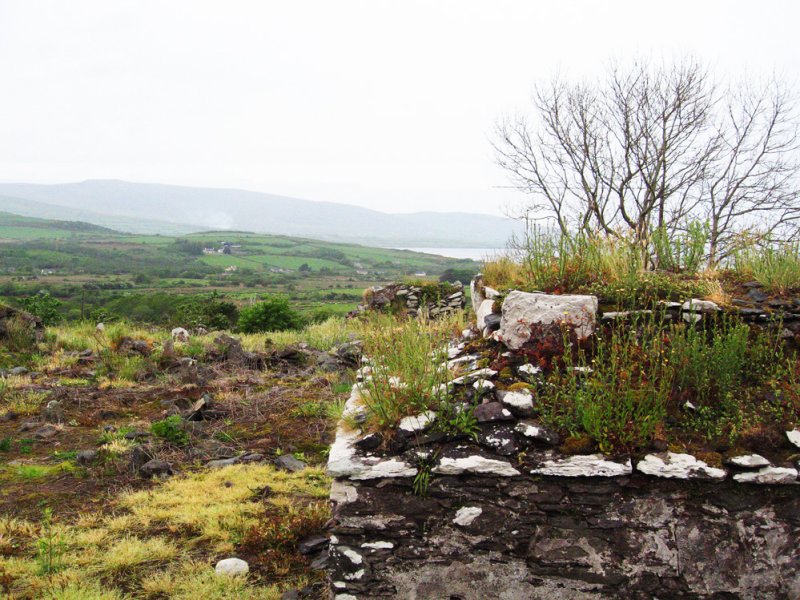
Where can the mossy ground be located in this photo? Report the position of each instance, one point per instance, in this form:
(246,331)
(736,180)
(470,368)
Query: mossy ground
(115,534)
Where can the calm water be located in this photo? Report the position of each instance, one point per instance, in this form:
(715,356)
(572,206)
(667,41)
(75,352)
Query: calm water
(473,253)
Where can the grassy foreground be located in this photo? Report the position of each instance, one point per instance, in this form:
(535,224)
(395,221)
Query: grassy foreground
(78,529)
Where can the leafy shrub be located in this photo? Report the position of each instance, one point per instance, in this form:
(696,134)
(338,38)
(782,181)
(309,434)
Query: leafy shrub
(44,306)
(274,313)
(171,429)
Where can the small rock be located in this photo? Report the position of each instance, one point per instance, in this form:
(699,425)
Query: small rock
(519,403)
(416,423)
(232,566)
(313,544)
(86,457)
(179,334)
(678,466)
(287,462)
(18,371)
(499,438)
(536,433)
(583,465)
(137,435)
(492,411)
(757,295)
(155,468)
(46,432)
(222,462)
(252,457)
(466,515)
(369,442)
(794,437)
(100,327)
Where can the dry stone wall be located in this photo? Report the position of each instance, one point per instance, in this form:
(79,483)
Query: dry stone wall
(507,515)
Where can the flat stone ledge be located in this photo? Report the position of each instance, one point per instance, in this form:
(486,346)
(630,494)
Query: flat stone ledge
(476,464)
(670,465)
(768,476)
(583,465)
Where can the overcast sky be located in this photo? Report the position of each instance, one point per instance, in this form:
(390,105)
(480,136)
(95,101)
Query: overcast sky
(389,105)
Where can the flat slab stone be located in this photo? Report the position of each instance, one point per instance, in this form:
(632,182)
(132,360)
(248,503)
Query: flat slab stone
(466,515)
(671,465)
(474,464)
(523,309)
(583,465)
(471,378)
(417,422)
(768,475)
(748,461)
(794,437)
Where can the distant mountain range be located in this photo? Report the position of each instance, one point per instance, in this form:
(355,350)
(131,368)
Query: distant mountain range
(170,210)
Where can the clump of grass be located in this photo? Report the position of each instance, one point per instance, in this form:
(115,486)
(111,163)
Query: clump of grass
(23,402)
(406,367)
(503,272)
(20,335)
(775,266)
(322,336)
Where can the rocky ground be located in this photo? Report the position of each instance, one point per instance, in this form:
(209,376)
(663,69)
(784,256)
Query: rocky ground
(138,487)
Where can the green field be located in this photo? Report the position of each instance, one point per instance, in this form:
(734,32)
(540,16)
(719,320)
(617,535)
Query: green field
(99,273)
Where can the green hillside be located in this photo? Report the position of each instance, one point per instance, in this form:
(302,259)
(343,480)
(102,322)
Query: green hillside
(92,269)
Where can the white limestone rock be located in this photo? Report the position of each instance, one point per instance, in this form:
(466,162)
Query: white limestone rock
(794,437)
(474,464)
(453,351)
(342,493)
(344,460)
(529,370)
(232,566)
(768,476)
(483,385)
(523,309)
(694,309)
(748,461)
(466,515)
(378,545)
(179,334)
(471,378)
(463,360)
(583,465)
(485,309)
(672,465)
(417,423)
(519,403)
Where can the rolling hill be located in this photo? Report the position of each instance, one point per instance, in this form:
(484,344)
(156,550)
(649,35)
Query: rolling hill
(155,208)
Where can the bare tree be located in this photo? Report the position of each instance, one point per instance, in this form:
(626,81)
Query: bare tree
(654,147)
(752,185)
